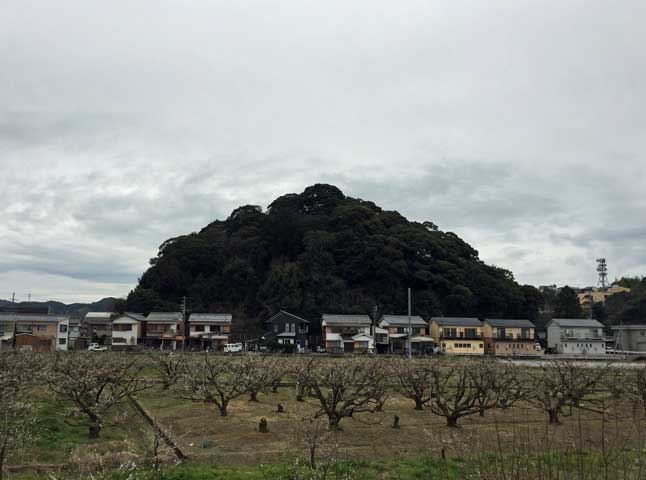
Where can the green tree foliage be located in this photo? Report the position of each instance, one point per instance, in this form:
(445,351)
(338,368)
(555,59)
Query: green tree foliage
(567,304)
(628,307)
(320,251)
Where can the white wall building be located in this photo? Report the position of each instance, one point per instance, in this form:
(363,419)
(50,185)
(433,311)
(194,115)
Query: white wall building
(62,334)
(126,330)
(576,336)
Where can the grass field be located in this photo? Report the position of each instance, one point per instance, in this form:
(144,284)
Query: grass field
(512,443)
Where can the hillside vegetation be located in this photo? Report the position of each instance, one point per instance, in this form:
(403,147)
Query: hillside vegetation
(321,251)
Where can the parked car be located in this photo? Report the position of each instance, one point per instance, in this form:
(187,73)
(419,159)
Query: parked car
(320,350)
(233,347)
(95,347)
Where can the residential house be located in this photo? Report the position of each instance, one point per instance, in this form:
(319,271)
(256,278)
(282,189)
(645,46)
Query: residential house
(398,332)
(288,329)
(575,336)
(74,337)
(209,330)
(127,331)
(97,327)
(504,337)
(630,338)
(164,330)
(34,332)
(347,333)
(461,336)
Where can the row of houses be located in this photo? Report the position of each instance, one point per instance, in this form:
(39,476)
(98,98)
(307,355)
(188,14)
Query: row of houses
(339,333)
(165,330)
(451,335)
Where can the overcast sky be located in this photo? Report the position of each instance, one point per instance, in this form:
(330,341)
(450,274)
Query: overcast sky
(519,125)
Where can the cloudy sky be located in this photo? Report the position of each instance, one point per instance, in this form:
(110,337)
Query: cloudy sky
(519,125)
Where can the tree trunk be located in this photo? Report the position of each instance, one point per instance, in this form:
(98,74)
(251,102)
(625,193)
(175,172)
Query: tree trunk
(312,458)
(3,452)
(223,409)
(419,405)
(554,417)
(94,430)
(253,396)
(452,421)
(333,422)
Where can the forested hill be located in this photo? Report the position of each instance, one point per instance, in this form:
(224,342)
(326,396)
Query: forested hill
(320,251)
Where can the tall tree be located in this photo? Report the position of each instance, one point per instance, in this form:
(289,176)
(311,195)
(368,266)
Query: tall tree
(567,304)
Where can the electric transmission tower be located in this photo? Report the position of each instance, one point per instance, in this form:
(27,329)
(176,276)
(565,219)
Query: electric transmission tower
(602,269)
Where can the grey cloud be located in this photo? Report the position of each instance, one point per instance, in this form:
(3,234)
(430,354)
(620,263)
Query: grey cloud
(516,125)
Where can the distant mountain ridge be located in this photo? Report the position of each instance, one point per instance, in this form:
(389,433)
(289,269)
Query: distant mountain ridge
(76,310)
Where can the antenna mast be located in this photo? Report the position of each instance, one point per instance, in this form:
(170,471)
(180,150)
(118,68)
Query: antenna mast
(602,269)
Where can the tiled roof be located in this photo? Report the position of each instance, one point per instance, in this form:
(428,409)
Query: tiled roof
(164,317)
(133,316)
(31,317)
(283,312)
(210,317)
(500,322)
(402,320)
(331,319)
(576,322)
(457,321)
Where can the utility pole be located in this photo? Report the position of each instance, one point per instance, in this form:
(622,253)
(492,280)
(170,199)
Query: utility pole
(184,322)
(410,330)
(13,297)
(29,297)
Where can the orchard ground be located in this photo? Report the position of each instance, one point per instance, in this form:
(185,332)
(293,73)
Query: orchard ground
(506,443)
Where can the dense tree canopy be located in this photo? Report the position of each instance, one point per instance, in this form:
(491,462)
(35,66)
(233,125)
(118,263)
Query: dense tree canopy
(320,251)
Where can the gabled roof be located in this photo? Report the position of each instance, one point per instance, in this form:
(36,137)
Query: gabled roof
(32,317)
(630,326)
(504,323)
(401,320)
(124,317)
(164,317)
(353,320)
(210,318)
(575,322)
(283,312)
(457,321)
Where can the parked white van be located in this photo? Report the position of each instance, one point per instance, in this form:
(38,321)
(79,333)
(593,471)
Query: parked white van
(233,347)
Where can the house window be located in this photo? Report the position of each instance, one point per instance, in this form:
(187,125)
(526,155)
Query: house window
(470,332)
(199,328)
(480,345)
(275,328)
(62,328)
(450,332)
(41,328)
(62,341)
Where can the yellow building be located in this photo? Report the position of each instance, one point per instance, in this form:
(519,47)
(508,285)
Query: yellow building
(594,295)
(458,336)
(509,337)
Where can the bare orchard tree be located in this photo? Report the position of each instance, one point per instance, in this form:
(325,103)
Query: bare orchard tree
(16,419)
(259,373)
(462,388)
(343,387)
(498,383)
(94,383)
(558,387)
(168,367)
(412,379)
(213,379)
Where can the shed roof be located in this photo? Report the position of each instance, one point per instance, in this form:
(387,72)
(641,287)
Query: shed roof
(354,320)
(402,320)
(576,322)
(502,322)
(457,321)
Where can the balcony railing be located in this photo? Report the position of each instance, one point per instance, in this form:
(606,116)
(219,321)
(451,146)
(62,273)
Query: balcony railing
(457,337)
